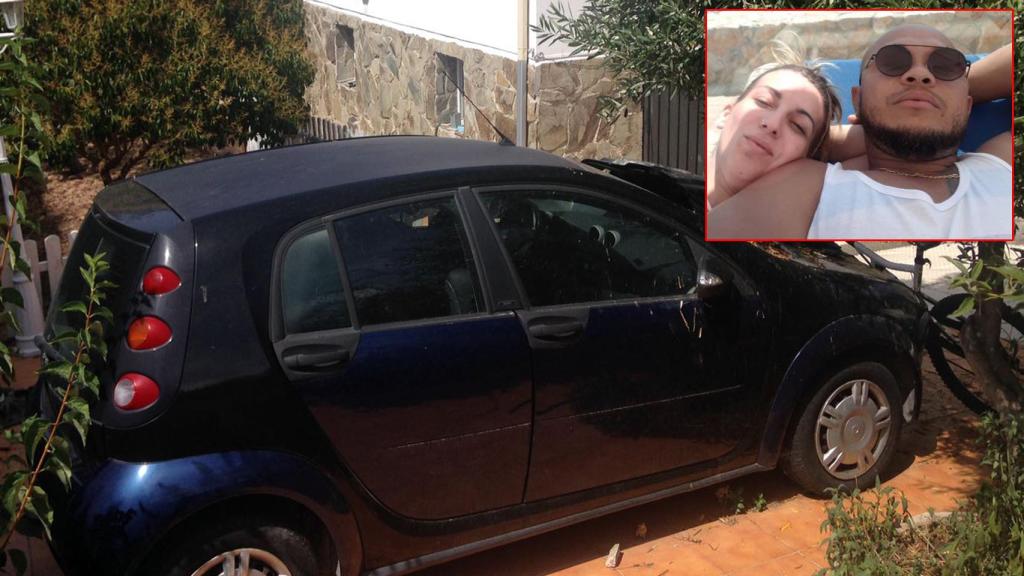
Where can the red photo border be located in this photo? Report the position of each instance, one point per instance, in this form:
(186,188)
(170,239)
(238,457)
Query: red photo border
(1013,96)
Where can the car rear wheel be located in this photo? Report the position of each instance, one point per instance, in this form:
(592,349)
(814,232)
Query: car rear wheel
(847,430)
(242,547)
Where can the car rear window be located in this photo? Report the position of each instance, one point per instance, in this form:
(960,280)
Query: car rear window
(126,257)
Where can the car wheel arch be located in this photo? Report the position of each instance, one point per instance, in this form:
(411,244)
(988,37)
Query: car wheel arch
(288,510)
(162,497)
(842,343)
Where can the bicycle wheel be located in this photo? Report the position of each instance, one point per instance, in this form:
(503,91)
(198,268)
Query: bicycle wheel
(947,355)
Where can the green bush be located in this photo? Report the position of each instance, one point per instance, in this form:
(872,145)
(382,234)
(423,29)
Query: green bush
(135,81)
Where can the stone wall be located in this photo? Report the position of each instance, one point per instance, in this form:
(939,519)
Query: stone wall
(743,44)
(396,88)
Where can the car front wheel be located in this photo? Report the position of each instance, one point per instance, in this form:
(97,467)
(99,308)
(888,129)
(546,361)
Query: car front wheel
(847,431)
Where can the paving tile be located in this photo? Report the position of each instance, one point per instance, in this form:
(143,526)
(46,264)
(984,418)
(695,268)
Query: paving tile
(741,545)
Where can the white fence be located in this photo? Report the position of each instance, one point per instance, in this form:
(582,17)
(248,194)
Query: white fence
(52,267)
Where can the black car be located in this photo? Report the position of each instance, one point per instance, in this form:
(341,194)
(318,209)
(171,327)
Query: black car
(376,355)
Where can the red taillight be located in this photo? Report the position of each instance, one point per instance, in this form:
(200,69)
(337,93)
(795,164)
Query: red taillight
(148,332)
(160,280)
(134,391)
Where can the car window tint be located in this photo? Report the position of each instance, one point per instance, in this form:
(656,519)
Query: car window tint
(312,297)
(409,262)
(570,248)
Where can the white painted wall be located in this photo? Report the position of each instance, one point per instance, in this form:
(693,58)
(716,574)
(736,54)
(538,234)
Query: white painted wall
(490,25)
(558,49)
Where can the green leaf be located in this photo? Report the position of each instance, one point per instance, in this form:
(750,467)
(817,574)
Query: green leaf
(39,507)
(22,266)
(6,365)
(976,270)
(959,265)
(78,416)
(59,462)
(21,208)
(60,369)
(12,489)
(12,296)
(33,159)
(1014,273)
(92,384)
(965,307)
(75,307)
(34,430)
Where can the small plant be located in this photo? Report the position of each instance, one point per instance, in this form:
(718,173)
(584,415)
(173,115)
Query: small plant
(871,532)
(47,450)
(760,503)
(988,532)
(864,531)
(732,498)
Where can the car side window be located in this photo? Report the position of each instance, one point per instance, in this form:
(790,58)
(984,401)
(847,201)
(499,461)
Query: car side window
(312,297)
(570,248)
(409,262)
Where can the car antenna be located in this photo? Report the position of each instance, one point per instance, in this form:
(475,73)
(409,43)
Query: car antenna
(504,139)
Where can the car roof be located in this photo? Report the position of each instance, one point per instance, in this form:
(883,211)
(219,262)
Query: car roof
(222,184)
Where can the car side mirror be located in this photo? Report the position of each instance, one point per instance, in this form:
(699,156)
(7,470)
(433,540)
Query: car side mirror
(710,285)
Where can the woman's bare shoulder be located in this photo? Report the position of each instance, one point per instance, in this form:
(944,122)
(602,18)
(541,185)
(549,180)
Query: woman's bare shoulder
(780,204)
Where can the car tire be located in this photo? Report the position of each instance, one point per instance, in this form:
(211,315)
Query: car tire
(847,431)
(271,548)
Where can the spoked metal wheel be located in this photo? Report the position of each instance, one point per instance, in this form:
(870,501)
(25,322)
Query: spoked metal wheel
(947,355)
(853,428)
(243,562)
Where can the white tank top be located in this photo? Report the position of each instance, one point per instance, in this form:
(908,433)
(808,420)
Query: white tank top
(853,206)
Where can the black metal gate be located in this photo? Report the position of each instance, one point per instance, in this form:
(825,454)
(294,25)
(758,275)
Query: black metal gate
(674,132)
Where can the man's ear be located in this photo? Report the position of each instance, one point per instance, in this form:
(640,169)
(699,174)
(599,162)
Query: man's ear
(855,96)
(970,104)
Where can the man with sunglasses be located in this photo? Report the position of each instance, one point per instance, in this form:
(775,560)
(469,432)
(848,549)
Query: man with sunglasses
(913,102)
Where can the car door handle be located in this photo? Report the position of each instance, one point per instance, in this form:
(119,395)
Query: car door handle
(319,357)
(555,329)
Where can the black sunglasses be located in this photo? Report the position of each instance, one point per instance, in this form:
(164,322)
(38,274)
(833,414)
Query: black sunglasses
(944,63)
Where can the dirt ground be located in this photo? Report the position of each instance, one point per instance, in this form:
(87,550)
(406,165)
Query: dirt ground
(61,205)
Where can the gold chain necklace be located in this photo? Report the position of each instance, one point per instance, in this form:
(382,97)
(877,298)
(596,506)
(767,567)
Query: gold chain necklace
(919,175)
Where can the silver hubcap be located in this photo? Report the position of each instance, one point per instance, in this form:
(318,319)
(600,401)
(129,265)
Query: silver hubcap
(853,429)
(243,562)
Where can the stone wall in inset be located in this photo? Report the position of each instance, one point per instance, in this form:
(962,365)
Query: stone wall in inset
(734,50)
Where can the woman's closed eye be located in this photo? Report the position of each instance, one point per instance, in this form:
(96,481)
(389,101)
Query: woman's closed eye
(799,129)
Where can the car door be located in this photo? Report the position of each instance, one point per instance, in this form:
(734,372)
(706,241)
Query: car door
(617,330)
(423,392)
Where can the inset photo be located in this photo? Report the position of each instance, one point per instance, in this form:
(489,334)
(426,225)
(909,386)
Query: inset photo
(859,125)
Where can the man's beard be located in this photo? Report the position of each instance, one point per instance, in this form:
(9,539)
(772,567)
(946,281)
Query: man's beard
(910,144)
